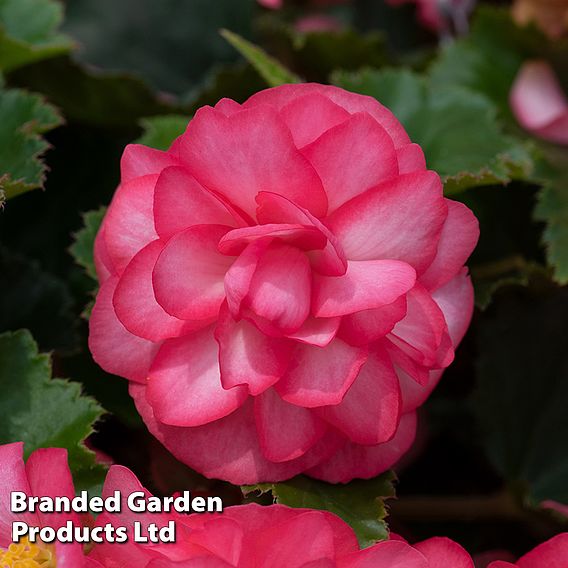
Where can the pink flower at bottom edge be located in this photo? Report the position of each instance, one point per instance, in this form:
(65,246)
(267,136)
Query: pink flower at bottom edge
(283,287)
(539,103)
(551,554)
(45,474)
(254,536)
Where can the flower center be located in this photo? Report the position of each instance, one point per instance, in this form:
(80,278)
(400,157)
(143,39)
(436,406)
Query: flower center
(26,554)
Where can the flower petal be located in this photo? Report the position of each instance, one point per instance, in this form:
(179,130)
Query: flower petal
(135,303)
(248,152)
(113,347)
(366,285)
(285,431)
(550,554)
(370,412)
(180,202)
(457,240)
(410,159)
(184,383)
(386,554)
(321,376)
(188,276)
(317,331)
(138,160)
(443,552)
(247,356)
(352,157)
(355,460)
(389,220)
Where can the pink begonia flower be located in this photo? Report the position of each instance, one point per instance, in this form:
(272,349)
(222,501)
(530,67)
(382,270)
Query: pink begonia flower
(45,474)
(283,287)
(254,536)
(559,508)
(551,554)
(317,23)
(272,4)
(539,103)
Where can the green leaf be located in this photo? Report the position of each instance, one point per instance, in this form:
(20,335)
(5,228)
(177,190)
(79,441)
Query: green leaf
(43,412)
(83,245)
(522,390)
(23,118)
(271,70)
(457,129)
(161,131)
(29,32)
(359,503)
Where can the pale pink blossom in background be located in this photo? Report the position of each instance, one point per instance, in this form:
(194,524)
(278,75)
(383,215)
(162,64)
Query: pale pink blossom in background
(539,103)
(284,287)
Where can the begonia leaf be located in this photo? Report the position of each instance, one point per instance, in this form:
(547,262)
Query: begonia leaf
(29,32)
(84,241)
(360,503)
(520,401)
(44,412)
(161,131)
(457,129)
(23,118)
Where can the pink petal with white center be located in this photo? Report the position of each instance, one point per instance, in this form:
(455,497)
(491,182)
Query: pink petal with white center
(387,221)
(362,328)
(278,97)
(138,160)
(135,303)
(248,152)
(273,208)
(304,237)
(247,356)
(181,202)
(410,159)
(420,334)
(321,376)
(113,347)
(280,289)
(278,546)
(285,431)
(239,276)
(457,241)
(370,412)
(14,478)
(317,331)
(189,273)
(443,553)
(129,222)
(366,285)
(184,383)
(539,103)
(237,457)
(386,554)
(352,157)
(310,116)
(357,461)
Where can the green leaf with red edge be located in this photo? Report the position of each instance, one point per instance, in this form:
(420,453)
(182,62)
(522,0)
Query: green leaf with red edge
(360,503)
(44,412)
(24,117)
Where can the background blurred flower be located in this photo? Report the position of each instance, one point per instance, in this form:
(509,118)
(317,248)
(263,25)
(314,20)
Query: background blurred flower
(539,103)
(283,287)
(551,16)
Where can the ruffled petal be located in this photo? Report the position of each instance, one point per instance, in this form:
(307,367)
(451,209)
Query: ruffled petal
(188,277)
(370,412)
(389,220)
(248,152)
(443,552)
(138,160)
(357,461)
(135,303)
(410,159)
(457,240)
(386,554)
(129,222)
(366,285)
(247,356)
(184,383)
(352,158)
(317,331)
(180,202)
(308,117)
(285,431)
(321,376)
(113,347)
